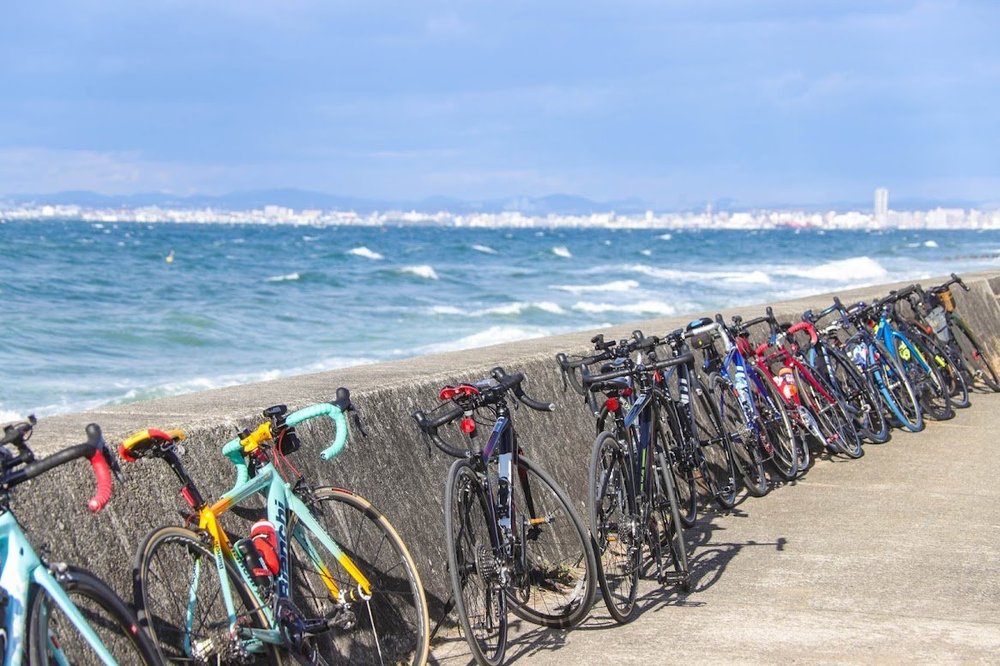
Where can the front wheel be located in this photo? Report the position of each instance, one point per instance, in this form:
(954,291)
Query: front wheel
(715,458)
(739,428)
(555,587)
(391,625)
(896,390)
(861,397)
(777,427)
(54,639)
(978,367)
(614,526)
(472,565)
(926,379)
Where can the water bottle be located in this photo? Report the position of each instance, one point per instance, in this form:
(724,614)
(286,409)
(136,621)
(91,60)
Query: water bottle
(786,384)
(259,572)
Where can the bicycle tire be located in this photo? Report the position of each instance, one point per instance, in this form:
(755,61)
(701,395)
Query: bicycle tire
(927,380)
(480,603)
(834,421)
(682,467)
(745,446)
(558,588)
(949,368)
(665,506)
(859,393)
(978,366)
(397,606)
(715,456)
(54,639)
(896,390)
(169,560)
(776,424)
(613,525)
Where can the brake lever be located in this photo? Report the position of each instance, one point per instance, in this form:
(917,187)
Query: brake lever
(359,422)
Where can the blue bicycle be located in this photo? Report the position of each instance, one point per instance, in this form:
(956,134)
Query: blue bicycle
(56,613)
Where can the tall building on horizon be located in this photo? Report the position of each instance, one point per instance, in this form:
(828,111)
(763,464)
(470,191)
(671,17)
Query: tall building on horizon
(881,203)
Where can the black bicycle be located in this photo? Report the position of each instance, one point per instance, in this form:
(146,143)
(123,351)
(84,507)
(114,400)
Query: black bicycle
(514,539)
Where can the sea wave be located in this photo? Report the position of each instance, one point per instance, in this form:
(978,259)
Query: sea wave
(562,251)
(616,285)
(515,308)
(843,270)
(642,307)
(283,278)
(485,249)
(930,243)
(494,335)
(424,271)
(366,253)
(673,275)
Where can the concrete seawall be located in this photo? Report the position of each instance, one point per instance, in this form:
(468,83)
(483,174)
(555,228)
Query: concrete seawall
(392,467)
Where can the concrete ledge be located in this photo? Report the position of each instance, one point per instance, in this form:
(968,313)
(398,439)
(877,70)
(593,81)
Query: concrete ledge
(392,468)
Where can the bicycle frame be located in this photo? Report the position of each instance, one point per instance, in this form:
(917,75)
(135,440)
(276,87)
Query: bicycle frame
(895,341)
(22,568)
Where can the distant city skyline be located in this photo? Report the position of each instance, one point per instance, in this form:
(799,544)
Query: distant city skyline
(674,103)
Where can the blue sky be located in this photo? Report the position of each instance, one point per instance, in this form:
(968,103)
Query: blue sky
(674,102)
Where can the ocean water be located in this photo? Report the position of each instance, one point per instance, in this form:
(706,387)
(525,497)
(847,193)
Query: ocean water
(93,314)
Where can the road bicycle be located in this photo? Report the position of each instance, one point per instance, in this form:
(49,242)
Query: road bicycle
(57,613)
(325,578)
(514,540)
(871,357)
(902,307)
(924,375)
(940,314)
(820,409)
(749,407)
(823,352)
(634,507)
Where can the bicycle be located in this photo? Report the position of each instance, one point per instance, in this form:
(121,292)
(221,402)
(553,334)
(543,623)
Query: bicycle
(955,333)
(928,384)
(632,498)
(748,405)
(824,354)
(292,586)
(57,613)
(514,540)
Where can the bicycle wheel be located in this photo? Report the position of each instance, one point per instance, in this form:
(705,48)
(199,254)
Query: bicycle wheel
(667,536)
(978,366)
(949,368)
(389,627)
(834,422)
(745,447)
(714,457)
(54,639)
(480,601)
(896,390)
(682,465)
(777,426)
(859,395)
(925,378)
(555,586)
(613,524)
(180,601)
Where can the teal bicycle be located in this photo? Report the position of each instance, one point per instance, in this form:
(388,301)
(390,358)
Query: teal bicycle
(290,587)
(56,613)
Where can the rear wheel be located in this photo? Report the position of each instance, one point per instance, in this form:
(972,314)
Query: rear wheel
(896,390)
(668,535)
(777,426)
(862,400)
(614,526)
(834,422)
(745,447)
(180,601)
(926,379)
(715,458)
(54,639)
(948,367)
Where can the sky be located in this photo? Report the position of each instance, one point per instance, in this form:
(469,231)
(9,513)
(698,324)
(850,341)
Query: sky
(674,102)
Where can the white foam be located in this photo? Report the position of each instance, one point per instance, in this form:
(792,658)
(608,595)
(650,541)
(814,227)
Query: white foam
(646,252)
(562,251)
(616,285)
(283,278)
(494,335)
(732,277)
(515,308)
(447,310)
(642,307)
(366,253)
(424,271)
(855,268)
(310,239)
(485,249)
(930,243)
(665,236)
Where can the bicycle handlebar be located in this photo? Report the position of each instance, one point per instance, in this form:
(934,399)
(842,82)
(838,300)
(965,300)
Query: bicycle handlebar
(94,449)
(685,358)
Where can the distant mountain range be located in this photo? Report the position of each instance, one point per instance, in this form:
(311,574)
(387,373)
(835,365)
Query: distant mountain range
(560,204)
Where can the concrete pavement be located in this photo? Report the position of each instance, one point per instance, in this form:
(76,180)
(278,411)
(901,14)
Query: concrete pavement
(892,558)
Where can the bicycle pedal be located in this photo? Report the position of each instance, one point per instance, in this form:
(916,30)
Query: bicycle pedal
(672,579)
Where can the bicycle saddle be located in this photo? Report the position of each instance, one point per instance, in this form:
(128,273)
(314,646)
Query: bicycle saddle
(149,442)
